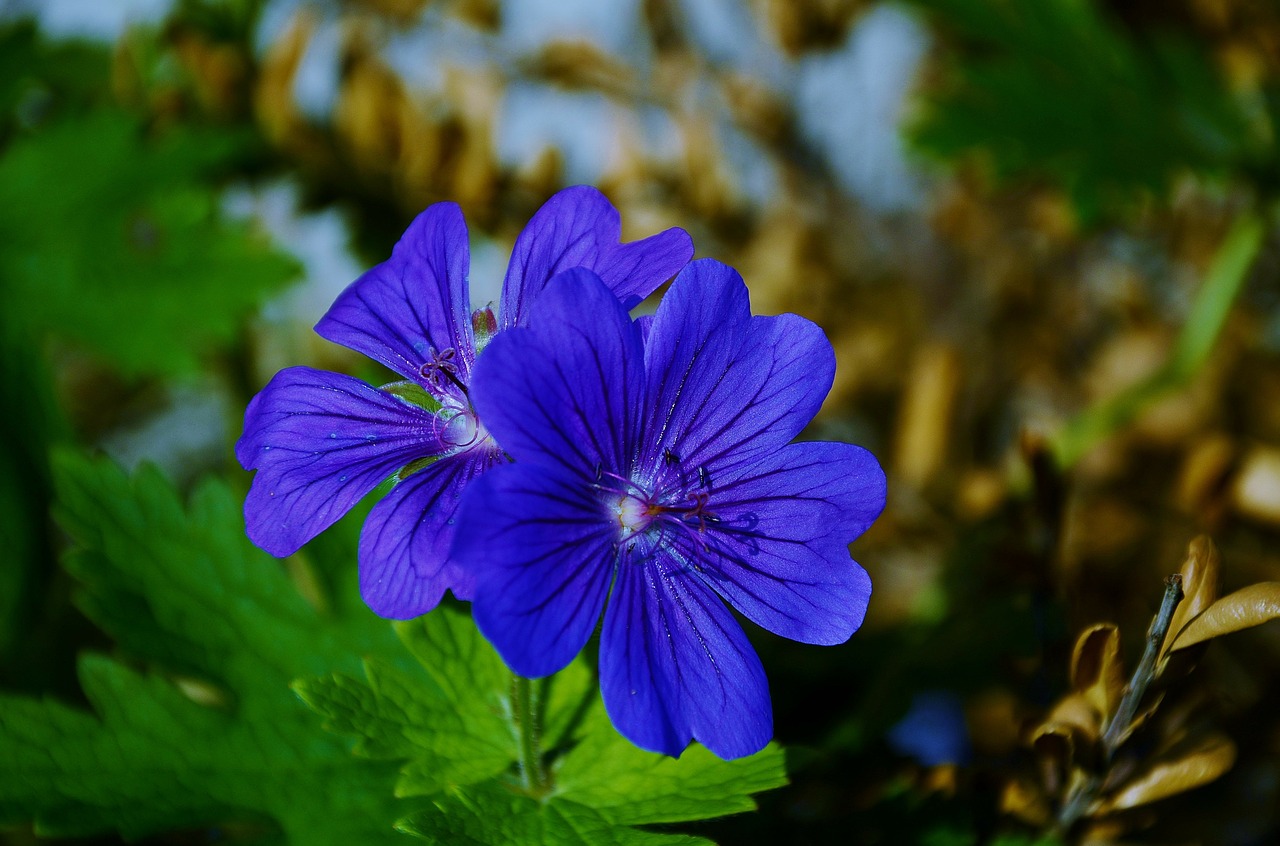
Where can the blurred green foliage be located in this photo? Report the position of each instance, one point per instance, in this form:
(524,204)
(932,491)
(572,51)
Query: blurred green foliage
(1058,91)
(114,245)
(116,242)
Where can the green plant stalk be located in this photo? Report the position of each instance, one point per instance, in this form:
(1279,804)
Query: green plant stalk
(1209,312)
(528,715)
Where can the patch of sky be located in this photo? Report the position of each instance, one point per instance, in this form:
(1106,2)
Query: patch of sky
(319,75)
(849,103)
(420,55)
(658,133)
(275,18)
(98,20)
(755,171)
(726,33)
(614,27)
(319,240)
(185,436)
(488,269)
(583,126)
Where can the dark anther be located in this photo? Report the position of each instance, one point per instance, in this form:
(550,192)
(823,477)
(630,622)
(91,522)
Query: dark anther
(441,365)
(698,510)
(704,476)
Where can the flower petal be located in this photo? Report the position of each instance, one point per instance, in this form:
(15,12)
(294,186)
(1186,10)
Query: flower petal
(542,552)
(778,547)
(405,566)
(725,387)
(675,665)
(565,391)
(579,227)
(320,441)
(416,301)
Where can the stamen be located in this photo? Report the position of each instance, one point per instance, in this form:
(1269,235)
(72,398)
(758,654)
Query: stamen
(649,520)
(623,486)
(441,364)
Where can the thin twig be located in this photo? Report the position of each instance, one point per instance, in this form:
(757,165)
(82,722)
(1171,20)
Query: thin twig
(1144,674)
(1122,722)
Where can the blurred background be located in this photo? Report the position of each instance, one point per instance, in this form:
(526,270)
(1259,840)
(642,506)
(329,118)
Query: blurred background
(1040,235)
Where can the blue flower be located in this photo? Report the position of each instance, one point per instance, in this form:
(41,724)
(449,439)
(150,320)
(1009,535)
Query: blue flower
(321,441)
(933,731)
(654,467)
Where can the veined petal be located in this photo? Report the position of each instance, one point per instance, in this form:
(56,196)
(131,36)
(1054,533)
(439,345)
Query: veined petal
(320,441)
(565,391)
(726,387)
(542,552)
(675,665)
(415,302)
(579,227)
(778,546)
(405,566)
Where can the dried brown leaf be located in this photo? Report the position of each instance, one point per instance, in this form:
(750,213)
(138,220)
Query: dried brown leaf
(1210,758)
(1199,587)
(1056,746)
(1246,608)
(1024,800)
(1255,493)
(1074,710)
(924,423)
(1097,670)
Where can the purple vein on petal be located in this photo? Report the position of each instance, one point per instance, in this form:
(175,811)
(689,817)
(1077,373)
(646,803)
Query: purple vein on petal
(414,303)
(566,390)
(405,563)
(675,666)
(579,227)
(320,442)
(542,553)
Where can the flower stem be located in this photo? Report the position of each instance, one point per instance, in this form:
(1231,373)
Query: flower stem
(528,713)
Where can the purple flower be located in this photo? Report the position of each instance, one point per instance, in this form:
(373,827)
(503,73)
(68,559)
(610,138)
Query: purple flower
(653,466)
(321,441)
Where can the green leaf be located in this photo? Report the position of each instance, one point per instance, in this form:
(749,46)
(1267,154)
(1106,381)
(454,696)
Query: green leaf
(491,814)
(31,422)
(450,719)
(115,241)
(210,732)
(1056,90)
(452,724)
(635,787)
(40,79)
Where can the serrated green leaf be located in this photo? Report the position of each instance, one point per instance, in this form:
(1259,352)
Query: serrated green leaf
(453,724)
(1056,90)
(397,716)
(604,771)
(491,814)
(212,733)
(450,719)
